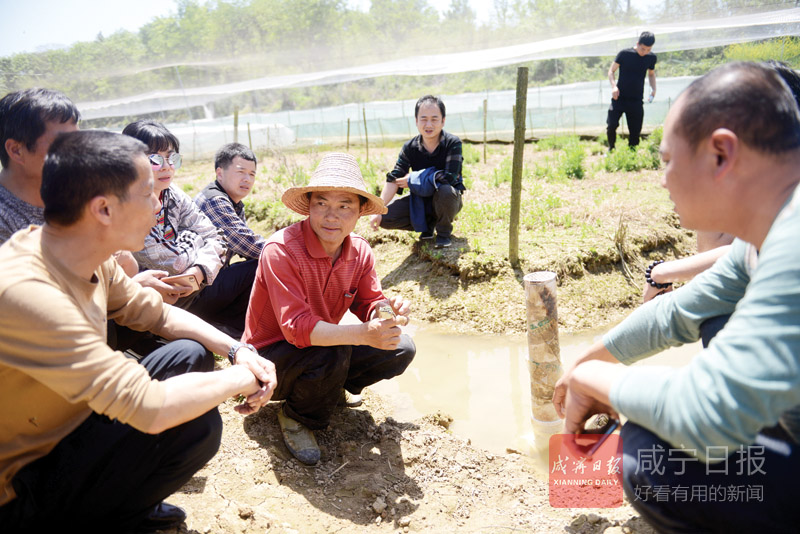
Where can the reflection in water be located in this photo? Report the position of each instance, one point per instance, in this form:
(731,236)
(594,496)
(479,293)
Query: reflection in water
(483,383)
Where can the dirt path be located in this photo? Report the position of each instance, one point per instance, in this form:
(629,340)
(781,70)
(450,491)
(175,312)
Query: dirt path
(376,475)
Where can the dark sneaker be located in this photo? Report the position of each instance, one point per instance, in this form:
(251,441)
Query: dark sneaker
(426,235)
(299,439)
(351,400)
(163,516)
(442,241)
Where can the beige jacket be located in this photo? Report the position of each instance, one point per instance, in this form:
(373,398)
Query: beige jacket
(55,365)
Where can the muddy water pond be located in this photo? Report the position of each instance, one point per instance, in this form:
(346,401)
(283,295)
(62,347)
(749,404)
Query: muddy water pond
(483,383)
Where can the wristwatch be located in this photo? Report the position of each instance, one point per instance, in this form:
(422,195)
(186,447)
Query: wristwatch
(235,347)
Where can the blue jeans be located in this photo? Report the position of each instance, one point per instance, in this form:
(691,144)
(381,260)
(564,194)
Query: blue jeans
(754,489)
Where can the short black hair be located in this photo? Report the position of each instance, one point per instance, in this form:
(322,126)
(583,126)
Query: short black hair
(24,116)
(789,76)
(82,165)
(154,134)
(429,99)
(647,38)
(749,99)
(224,156)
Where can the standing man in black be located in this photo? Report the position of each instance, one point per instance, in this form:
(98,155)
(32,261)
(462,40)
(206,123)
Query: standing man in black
(626,96)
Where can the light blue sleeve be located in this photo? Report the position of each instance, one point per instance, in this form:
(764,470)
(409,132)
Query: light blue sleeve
(674,319)
(750,373)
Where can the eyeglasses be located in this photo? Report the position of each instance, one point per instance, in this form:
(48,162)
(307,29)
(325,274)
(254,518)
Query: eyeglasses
(157,161)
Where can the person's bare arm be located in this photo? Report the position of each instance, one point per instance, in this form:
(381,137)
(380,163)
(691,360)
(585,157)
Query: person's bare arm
(181,324)
(191,395)
(651,77)
(382,334)
(682,270)
(612,78)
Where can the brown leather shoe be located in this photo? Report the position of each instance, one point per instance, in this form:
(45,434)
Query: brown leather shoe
(299,439)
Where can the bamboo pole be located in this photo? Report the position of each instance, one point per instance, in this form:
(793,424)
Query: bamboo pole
(249,137)
(236,124)
(485,107)
(516,169)
(366,137)
(348,134)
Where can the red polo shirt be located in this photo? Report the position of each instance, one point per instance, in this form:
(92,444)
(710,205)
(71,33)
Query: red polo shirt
(297,285)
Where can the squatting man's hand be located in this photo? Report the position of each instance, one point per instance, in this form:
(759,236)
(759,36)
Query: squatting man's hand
(375,221)
(384,334)
(587,388)
(264,371)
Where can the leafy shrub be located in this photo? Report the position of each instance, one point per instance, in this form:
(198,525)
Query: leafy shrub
(628,159)
(571,160)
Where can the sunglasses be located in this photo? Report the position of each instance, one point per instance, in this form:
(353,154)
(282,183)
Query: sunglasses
(157,161)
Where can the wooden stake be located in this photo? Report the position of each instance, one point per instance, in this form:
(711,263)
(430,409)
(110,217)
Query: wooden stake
(516,168)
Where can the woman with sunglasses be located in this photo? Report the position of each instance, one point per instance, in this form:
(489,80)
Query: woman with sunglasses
(185,241)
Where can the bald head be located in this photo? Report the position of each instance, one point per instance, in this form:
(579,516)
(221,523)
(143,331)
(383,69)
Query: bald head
(749,99)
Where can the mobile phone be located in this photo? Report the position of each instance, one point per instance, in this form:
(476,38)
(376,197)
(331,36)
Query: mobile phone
(188,280)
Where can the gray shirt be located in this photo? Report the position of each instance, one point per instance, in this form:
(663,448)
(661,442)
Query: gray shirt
(16,214)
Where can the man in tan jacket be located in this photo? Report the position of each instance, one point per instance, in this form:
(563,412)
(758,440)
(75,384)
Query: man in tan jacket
(88,437)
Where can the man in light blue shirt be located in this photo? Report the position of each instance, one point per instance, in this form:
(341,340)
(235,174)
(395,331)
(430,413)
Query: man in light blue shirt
(723,431)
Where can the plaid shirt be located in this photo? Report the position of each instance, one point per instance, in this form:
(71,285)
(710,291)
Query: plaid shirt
(447,157)
(215,203)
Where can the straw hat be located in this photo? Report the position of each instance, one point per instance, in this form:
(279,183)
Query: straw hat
(336,172)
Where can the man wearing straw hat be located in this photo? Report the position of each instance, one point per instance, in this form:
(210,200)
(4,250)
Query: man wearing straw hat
(308,276)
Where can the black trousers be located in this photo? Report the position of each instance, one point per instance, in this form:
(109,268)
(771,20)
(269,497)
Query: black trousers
(441,211)
(634,114)
(311,379)
(106,476)
(224,303)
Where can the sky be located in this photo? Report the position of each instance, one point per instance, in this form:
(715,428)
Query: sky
(35,25)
